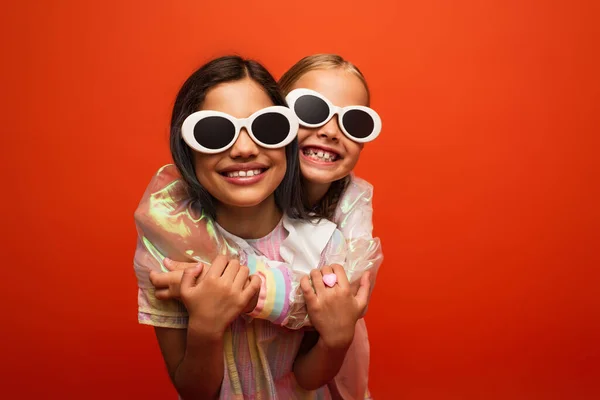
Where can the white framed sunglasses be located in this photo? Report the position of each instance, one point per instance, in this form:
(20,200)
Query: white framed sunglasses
(212,132)
(360,124)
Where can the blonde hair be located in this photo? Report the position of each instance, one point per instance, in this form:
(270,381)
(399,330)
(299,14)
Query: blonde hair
(327,205)
(316,62)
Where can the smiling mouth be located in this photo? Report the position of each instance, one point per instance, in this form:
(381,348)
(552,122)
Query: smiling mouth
(249,173)
(318,154)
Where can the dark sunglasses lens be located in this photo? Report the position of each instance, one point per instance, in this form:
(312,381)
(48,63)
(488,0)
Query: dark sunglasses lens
(271,128)
(311,109)
(214,132)
(358,123)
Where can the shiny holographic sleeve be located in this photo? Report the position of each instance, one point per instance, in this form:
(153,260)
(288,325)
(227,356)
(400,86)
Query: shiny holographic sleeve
(353,246)
(354,217)
(168,226)
(333,253)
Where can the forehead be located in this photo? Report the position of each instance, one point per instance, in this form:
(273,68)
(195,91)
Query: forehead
(239,99)
(341,87)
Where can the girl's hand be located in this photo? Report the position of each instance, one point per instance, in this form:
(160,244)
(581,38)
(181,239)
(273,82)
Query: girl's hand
(355,286)
(168,284)
(215,296)
(334,311)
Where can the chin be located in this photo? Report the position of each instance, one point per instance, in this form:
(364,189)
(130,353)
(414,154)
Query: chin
(320,176)
(245,198)
(244,204)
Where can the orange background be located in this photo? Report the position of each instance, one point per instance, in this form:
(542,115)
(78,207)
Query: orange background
(486,185)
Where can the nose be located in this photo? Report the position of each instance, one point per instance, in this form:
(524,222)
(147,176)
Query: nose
(331,130)
(244,146)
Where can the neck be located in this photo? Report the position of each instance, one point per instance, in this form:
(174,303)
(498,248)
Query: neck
(315,191)
(250,222)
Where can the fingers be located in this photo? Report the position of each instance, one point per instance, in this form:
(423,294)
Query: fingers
(162,280)
(251,289)
(362,297)
(340,273)
(218,266)
(159,280)
(205,269)
(317,281)
(162,294)
(326,269)
(231,270)
(241,280)
(167,284)
(188,280)
(307,290)
(362,314)
(354,287)
(251,305)
(177,265)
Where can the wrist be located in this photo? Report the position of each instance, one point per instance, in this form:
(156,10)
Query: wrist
(334,347)
(204,332)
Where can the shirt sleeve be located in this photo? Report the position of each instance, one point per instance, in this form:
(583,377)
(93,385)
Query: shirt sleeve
(151,311)
(354,217)
(351,246)
(274,296)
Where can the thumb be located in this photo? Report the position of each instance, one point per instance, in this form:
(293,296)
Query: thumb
(362,296)
(189,277)
(253,286)
(247,282)
(172,265)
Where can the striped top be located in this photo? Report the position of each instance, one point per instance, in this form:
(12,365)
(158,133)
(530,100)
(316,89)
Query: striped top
(273,301)
(168,225)
(259,355)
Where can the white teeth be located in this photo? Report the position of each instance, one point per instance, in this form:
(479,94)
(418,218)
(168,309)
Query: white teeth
(320,155)
(235,174)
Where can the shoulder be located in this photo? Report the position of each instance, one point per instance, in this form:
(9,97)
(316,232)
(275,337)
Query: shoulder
(359,192)
(166,220)
(360,182)
(165,197)
(166,188)
(166,178)
(359,187)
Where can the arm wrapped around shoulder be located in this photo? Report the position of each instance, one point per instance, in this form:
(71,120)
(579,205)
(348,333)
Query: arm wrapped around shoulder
(168,226)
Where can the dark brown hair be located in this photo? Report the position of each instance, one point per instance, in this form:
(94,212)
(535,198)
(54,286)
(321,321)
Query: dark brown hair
(288,196)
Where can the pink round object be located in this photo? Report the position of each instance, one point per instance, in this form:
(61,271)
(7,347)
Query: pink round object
(330,279)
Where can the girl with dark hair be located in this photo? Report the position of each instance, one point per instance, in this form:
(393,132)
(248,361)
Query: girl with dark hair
(235,148)
(331,97)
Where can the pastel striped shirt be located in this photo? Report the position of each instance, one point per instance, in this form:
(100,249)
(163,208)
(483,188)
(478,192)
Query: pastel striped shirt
(168,225)
(259,355)
(273,304)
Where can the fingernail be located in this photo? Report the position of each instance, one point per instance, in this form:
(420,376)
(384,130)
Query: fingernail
(167,260)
